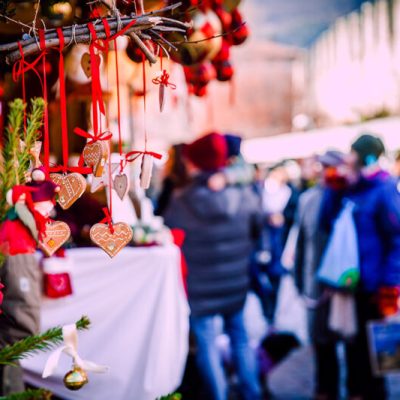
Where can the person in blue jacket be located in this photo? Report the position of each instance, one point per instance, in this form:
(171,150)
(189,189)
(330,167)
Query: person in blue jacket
(377,219)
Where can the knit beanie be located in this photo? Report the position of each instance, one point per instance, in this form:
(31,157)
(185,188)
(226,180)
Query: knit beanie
(369,148)
(209,153)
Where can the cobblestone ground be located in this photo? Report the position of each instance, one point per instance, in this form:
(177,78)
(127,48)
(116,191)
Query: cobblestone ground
(293,378)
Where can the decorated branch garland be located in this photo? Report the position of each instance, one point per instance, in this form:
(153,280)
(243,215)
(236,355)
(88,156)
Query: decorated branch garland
(148,26)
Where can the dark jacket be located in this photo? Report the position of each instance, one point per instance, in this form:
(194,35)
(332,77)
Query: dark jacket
(377,220)
(218,243)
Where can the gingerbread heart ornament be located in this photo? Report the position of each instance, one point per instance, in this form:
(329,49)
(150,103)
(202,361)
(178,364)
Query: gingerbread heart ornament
(86,64)
(72,186)
(55,235)
(111,242)
(95,156)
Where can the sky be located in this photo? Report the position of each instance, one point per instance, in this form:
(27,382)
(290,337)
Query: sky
(295,22)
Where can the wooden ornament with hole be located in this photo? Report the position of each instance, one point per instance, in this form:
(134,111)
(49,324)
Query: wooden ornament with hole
(121,185)
(86,64)
(146,171)
(95,156)
(55,235)
(111,243)
(72,186)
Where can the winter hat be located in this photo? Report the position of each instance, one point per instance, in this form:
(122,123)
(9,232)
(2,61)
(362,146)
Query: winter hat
(233,142)
(369,148)
(43,191)
(332,158)
(209,153)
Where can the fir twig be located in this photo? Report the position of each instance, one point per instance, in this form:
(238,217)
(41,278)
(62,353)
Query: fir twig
(33,344)
(30,394)
(34,123)
(8,176)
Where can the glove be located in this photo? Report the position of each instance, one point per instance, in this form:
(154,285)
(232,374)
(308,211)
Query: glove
(389,300)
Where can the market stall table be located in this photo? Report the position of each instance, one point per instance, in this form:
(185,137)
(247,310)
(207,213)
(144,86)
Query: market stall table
(139,314)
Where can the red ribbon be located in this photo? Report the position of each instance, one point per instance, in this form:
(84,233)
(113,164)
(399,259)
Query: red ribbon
(107,220)
(63,101)
(97,98)
(164,80)
(93,137)
(139,153)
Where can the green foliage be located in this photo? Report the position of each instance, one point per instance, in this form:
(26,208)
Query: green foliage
(33,344)
(16,155)
(31,394)
(172,396)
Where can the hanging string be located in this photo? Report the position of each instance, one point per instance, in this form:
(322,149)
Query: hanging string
(63,101)
(19,70)
(46,146)
(107,219)
(64,168)
(23,85)
(144,101)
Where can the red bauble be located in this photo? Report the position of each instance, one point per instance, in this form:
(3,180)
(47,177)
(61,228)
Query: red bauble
(224,53)
(224,71)
(240,31)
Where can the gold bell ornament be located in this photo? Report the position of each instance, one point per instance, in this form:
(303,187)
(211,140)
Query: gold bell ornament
(76,378)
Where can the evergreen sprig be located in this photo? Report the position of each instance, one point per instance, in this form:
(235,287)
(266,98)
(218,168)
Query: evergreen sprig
(30,394)
(16,156)
(33,344)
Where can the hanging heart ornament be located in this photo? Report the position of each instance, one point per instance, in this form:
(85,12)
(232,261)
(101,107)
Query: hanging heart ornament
(72,186)
(95,156)
(86,64)
(111,242)
(121,185)
(55,235)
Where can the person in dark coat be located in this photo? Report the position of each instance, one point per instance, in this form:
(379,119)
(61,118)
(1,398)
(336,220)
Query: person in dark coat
(377,221)
(218,226)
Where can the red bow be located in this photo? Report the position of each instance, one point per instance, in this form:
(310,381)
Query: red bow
(107,219)
(164,80)
(107,135)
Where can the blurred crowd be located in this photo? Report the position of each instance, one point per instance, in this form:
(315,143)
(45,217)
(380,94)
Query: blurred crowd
(331,221)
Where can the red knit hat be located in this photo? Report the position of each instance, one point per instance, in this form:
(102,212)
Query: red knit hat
(209,153)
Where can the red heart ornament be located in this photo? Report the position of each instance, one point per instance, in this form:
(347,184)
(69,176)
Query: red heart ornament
(111,243)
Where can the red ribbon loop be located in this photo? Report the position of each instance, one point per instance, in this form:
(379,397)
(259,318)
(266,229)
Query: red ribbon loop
(107,135)
(107,220)
(133,155)
(164,80)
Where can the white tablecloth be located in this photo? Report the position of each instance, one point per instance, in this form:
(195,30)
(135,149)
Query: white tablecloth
(139,316)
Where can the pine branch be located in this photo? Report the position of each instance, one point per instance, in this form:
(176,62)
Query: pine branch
(30,394)
(8,177)
(172,396)
(34,123)
(33,344)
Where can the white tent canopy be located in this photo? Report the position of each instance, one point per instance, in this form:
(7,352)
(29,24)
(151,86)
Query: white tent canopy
(305,144)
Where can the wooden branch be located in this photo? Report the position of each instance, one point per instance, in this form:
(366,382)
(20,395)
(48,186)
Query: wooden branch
(81,34)
(146,51)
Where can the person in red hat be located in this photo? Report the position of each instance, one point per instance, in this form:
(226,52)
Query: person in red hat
(219,227)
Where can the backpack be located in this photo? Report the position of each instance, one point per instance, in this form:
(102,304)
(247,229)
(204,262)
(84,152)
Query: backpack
(340,266)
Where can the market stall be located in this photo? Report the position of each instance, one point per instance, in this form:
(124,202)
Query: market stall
(139,315)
